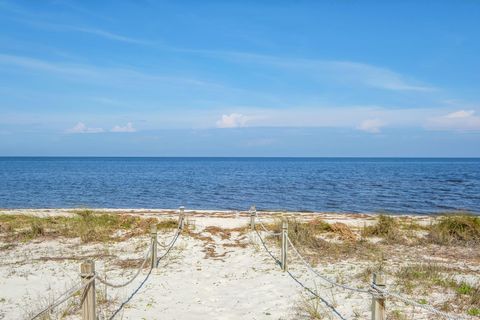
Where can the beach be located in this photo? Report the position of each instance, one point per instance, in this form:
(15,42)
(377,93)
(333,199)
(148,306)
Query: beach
(219,269)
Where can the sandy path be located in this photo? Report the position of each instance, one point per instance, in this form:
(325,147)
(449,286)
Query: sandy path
(241,283)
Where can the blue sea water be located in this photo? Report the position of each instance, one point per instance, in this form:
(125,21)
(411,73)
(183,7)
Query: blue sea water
(394,185)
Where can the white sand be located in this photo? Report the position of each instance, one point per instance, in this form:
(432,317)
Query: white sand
(236,283)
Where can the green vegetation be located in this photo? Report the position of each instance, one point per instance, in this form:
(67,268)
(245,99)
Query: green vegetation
(386,227)
(398,315)
(473,312)
(311,308)
(88,225)
(307,237)
(456,229)
(425,276)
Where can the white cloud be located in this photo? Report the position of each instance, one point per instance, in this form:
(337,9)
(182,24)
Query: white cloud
(234,120)
(371,125)
(105,34)
(80,127)
(460,114)
(102,75)
(461,120)
(352,72)
(128,128)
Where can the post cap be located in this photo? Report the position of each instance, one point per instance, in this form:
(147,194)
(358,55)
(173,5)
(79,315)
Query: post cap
(379,278)
(87,267)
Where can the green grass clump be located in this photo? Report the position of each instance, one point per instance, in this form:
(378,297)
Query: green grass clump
(424,274)
(456,229)
(306,236)
(398,315)
(473,312)
(386,227)
(88,225)
(303,233)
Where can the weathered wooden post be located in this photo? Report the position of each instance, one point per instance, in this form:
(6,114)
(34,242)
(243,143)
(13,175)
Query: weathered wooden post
(284,244)
(87,273)
(253,214)
(181,218)
(153,236)
(378,300)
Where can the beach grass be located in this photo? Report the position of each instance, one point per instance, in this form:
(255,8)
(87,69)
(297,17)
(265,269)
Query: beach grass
(456,229)
(311,237)
(88,225)
(386,227)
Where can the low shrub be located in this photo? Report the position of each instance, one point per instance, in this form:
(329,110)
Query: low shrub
(386,227)
(456,229)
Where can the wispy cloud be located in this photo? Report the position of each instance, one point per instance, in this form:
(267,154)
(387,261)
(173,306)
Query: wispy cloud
(104,34)
(40,21)
(461,120)
(365,118)
(334,70)
(101,74)
(81,127)
(128,128)
(233,120)
(371,125)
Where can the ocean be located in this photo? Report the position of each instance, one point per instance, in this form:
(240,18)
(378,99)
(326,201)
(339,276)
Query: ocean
(388,185)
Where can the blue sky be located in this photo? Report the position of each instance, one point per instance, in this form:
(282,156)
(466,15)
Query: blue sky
(240,78)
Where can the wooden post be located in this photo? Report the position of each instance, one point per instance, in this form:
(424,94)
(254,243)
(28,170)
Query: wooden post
(378,300)
(87,272)
(253,214)
(181,220)
(284,244)
(153,235)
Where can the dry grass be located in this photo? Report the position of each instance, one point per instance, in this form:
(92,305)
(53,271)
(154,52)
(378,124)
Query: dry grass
(88,225)
(456,229)
(223,233)
(307,237)
(428,275)
(386,227)
(424,275)
(130,263)
(312,309)
(343,231)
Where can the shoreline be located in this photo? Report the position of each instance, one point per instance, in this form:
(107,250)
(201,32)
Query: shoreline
(243,211)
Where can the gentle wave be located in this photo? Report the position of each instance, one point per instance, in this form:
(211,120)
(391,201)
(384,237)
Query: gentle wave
(301,184)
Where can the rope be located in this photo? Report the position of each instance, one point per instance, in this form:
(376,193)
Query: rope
(309,267)
(170,248)
(266,248)
(298,281)
(131,295)
(316,295)
(165,245)
(416,304)
(268,231)
(114,285)
(146,258)
(172,243)
(63,297)
(79,286)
